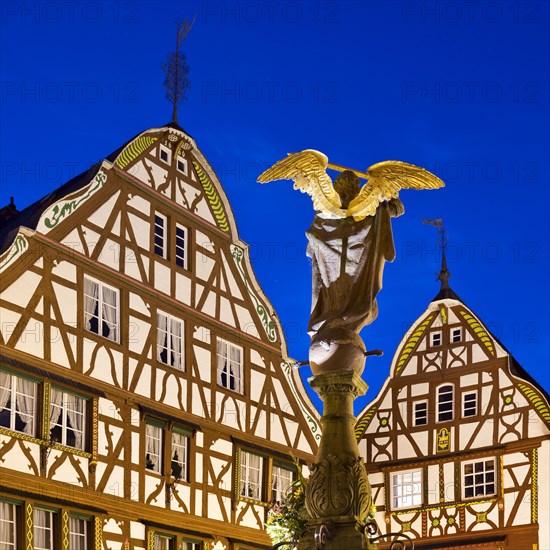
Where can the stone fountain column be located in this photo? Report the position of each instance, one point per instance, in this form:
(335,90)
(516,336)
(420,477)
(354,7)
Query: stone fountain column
(338,494)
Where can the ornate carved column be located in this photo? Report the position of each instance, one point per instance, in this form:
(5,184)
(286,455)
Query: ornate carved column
(338,495)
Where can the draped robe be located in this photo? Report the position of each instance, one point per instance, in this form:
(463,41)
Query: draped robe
(348,260)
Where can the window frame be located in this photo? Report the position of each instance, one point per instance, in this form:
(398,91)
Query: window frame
(475,474)
(65,418)
(86,534)
(158,425)
(415,417)
(100,302)
(168,151)
(181,258)
(169,538)
(433,334)
(184,463)
(459,331)
(226,368)
(439,403)
(14,524)
(245,482)
(394,499)
(170,359)
(52,515)
(280,491)
(475,403)
(162,232)
(14,411)
(183,160)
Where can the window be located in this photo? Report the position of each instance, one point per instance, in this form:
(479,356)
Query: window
(181,246)
(161,233)
(280,483)
(251,476)
(406,489)
(445,403)
(469,404)
(182,165)
(479,478)
(421,413)
(8,526)
(78,533)
(162,542)
(153,448)
(191,545)
(435,339)
(17,403)
(67,419)
(101,309)
(43,529)
(180,450)
(456,335)
(229,366)
(165,154)
(169,340)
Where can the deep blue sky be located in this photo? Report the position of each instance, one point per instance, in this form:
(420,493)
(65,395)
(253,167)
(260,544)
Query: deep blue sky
(459,88)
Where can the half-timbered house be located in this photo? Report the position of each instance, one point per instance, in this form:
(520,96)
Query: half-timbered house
(146,399)
(457,442)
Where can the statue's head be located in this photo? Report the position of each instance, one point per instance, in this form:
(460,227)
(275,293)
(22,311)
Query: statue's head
(347,185)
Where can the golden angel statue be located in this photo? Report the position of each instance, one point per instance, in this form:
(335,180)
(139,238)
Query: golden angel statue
(350,238)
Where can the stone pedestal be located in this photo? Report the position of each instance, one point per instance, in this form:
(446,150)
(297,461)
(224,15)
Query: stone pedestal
(338,494)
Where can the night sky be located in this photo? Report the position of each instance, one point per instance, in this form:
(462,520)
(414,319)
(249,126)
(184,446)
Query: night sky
(459,88)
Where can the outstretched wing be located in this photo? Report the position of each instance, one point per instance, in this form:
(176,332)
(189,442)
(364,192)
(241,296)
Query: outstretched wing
(385,181)
(308,171)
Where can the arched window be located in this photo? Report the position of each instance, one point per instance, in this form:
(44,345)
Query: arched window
(445,399)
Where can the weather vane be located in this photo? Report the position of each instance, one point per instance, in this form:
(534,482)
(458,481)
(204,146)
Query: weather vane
(177,69)
(444,274)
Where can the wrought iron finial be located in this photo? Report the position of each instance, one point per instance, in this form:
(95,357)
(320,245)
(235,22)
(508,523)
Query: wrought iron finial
(177,69)
(444,274)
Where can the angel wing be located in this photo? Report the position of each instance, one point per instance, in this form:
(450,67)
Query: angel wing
(385,181)
(308,171)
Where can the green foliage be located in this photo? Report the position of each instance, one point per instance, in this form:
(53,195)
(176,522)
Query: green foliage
(287,520)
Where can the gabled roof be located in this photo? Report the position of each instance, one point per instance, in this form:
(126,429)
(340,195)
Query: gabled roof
(447,293)
(30,216)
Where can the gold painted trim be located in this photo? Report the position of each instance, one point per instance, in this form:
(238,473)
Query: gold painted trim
(433,507)
(46,411)
(65,530)
(133,150)
(98,534)
(29,526)
(412,342)
(363,422)
(534,485)
(95,428)
(480,332)
(537,401)
(22,436)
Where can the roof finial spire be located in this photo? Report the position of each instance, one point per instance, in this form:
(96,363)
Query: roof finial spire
(177,69)
(444,274)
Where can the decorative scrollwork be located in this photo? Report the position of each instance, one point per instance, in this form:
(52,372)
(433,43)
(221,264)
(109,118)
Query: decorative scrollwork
(323,533)
(401,541)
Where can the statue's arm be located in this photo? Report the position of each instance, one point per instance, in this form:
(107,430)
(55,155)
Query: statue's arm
(396,208)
